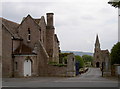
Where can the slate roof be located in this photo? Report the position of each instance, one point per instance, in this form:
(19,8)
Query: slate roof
(11,27)
(37,20)
(104,52)
(23,49)
(56,38)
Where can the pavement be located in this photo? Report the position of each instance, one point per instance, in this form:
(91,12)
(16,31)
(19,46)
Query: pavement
(92,78)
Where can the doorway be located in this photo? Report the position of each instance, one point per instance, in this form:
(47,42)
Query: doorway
(97,64)
(27,68)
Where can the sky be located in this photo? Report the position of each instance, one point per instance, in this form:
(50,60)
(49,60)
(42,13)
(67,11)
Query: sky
(77,22)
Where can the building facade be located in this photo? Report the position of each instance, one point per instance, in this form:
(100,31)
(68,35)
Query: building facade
(29,46)
(101,57)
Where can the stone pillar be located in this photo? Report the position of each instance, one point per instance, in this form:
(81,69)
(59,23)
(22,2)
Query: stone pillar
(71,65)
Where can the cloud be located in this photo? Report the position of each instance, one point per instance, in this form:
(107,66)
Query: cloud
(76,21)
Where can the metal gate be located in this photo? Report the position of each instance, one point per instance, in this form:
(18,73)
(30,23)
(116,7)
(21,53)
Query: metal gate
(77,63)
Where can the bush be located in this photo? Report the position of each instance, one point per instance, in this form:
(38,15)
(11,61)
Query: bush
(87,58)
(52,63)
(115,54)
(80,60)
(56,64)
(63,57)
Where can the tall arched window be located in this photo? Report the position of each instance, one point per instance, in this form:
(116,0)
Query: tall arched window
(16,66)
(40,34)
(28,37)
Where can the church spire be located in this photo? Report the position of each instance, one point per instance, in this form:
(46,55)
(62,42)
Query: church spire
(97,45)
(97,40)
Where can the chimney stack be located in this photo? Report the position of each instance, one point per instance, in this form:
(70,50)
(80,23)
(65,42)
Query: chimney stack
(50,20)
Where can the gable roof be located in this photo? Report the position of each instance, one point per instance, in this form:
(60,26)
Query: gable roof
(34,20)
(105,51)
(23,49)
(42,20)
(12,26)
(37,20)
(56,38)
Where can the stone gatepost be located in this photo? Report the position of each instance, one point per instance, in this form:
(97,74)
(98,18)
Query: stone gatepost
(107,67)
(71,72)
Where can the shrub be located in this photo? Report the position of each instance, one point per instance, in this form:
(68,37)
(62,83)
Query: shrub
(115,54)
(80,60)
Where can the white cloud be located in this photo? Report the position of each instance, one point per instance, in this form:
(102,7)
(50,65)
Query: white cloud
(76,21)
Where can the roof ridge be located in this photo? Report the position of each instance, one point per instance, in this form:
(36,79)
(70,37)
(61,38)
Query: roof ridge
(10,21)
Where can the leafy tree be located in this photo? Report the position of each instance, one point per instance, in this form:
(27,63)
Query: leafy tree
(115,3)
(87,58)
(63,57)
(80,60)
(115,54)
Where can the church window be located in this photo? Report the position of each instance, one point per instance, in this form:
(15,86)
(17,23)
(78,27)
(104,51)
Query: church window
(43,36)
(97,56)
(73,59)
(29,38)
(40,34)
(16,66)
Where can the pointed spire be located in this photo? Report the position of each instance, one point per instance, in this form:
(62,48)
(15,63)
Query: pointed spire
(97,39)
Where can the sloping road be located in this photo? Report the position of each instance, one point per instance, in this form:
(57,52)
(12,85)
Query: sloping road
(92,75)
(92,78)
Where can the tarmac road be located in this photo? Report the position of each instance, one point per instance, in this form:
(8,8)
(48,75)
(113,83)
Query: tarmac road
(92,78)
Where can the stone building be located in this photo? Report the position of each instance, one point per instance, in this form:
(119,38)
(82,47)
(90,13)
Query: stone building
(29,46)
(101,57)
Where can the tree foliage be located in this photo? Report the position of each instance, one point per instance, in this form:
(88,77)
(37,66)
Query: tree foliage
(80,60)
(87,58)
(114,3)
(63,57)
(115,54)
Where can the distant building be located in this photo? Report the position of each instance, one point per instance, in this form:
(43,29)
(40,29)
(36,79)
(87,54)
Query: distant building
(29,46)
(101,57)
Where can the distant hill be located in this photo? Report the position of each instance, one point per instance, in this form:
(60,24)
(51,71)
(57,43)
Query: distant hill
(78,53)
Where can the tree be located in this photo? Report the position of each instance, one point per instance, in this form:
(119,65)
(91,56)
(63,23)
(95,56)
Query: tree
(115,3)
(80,60)
(63,57)
(87,58)
(115,54)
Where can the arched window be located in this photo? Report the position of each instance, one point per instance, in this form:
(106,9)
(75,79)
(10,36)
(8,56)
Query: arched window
(40,34)
(97,56)
(28,37)
(16,66)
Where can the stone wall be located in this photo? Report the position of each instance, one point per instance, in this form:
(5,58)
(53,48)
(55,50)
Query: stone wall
(114,70)
(6,53)
(42,59)
(56,49)
(68,70)
(16,44)
(42,24)
(19,72)
(56,71)
(29,23)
